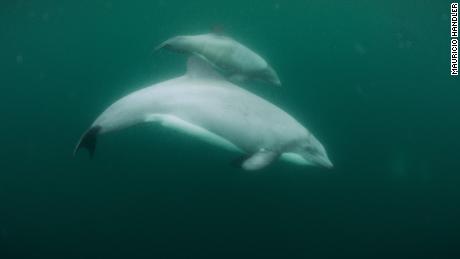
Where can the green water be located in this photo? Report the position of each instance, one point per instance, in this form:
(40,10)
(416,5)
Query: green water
(371,79)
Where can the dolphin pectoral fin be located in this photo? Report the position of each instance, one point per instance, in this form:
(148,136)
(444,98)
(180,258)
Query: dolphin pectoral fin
(214,66)
(198,55)
(88,141)
(200,67)
(180,125)
(259,160)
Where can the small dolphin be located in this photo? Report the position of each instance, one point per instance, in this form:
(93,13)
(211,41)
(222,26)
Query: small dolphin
(237,62)
(205,105)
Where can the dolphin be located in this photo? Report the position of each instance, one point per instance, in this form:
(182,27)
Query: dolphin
(206,106)
(226,55)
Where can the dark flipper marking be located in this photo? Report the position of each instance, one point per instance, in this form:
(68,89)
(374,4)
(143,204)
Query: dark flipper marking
(88,141)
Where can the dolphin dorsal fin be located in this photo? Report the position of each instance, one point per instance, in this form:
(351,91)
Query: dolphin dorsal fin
(198,67)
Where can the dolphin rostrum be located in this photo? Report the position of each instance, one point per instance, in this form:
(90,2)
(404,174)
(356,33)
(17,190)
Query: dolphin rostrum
(231,58)
(205,105)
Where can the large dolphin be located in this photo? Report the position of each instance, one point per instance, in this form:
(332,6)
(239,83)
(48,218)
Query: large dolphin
(228,56)
(205,105)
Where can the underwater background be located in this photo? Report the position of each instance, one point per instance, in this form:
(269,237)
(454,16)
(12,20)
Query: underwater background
(371,79)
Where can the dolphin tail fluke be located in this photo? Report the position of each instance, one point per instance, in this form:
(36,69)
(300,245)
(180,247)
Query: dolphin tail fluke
(162,45)
(165,44)
(171,45)
(88,141)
